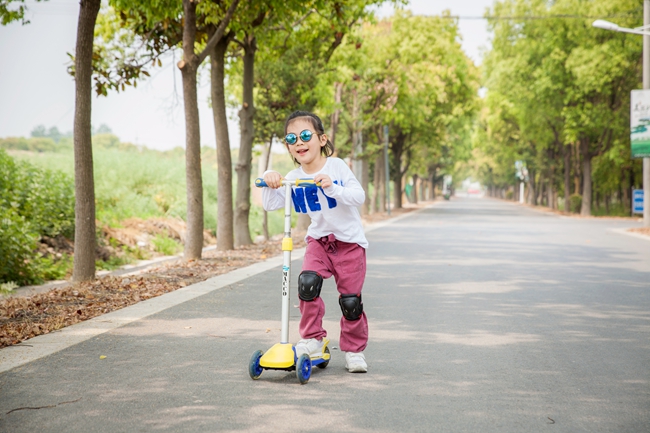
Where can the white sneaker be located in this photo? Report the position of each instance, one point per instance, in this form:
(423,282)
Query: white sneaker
(355,362)
(310,346)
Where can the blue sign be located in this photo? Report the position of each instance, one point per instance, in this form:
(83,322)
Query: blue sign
(637,201)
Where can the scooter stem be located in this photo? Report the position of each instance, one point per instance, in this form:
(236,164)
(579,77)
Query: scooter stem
(287,246)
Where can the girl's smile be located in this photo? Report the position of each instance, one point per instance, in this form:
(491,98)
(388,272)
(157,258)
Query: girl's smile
(307,153)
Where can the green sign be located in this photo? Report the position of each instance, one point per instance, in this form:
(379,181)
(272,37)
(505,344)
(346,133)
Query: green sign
(640,123)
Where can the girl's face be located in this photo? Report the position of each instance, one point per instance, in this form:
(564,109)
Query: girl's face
(308,154)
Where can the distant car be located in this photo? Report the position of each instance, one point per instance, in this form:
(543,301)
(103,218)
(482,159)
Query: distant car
(473,191)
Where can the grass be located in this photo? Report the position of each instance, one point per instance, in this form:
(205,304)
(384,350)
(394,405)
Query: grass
(146,183)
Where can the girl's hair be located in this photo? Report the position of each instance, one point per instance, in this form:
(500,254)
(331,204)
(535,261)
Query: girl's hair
(328,149)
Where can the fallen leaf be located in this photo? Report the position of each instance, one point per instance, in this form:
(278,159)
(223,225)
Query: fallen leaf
(102,357)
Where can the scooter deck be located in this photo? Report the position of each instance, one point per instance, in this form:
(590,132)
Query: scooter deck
(282,356)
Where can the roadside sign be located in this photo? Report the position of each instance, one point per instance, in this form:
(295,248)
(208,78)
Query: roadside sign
(640,123)
(637,201)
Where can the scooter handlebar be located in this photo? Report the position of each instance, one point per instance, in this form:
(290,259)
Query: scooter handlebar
(259,182)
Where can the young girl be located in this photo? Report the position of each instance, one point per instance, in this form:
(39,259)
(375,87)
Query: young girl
(336,244)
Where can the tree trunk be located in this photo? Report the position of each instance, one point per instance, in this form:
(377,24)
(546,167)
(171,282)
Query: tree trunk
(531,190)
(188,67)
(416,187)
(434,173)
(85,240)
(576,170)
(567,178)
(246,116)
(397,146)
(225,234)
(586,178)
(365,184)
(267,162)
(338,90)
(379,192)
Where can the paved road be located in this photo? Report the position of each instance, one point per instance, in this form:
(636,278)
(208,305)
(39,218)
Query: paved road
(484,316)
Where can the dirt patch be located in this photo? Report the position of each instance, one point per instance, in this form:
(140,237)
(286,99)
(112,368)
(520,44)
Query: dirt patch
(640,230)
(136,232)
(22,318)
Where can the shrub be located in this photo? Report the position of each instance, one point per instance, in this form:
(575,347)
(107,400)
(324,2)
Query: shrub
(163,244)
(33,203)
(509,195)
(17,246)
(575,203)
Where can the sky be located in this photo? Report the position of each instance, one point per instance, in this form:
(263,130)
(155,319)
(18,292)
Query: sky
(35,88)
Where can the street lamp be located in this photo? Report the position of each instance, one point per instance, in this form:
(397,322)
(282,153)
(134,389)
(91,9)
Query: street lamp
(645,31)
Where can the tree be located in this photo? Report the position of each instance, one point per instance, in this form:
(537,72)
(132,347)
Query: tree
(554,85)
(423,87)
(160,27)
(85,241)
(225,234)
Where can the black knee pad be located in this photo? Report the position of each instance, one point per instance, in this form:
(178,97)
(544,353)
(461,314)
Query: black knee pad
(351,306)
(309,285)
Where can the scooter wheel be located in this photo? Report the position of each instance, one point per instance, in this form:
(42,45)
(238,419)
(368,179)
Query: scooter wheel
(303,369)
(254,368)
(324,364)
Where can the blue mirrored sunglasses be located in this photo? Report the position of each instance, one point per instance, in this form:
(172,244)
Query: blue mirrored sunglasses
(305,136)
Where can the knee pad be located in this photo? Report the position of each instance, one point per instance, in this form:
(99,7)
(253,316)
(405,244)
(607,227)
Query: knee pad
(351,306)
(309,285)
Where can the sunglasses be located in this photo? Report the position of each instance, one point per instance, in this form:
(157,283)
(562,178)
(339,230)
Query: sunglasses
(305,136)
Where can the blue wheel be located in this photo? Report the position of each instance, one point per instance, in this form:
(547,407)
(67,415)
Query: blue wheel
(254,368)
(303,369)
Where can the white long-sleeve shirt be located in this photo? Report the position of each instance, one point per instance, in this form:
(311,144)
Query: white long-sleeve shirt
(333,210)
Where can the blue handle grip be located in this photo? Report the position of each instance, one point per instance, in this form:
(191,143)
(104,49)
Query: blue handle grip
(259,182)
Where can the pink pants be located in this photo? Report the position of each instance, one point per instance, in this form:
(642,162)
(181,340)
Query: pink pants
(347,263)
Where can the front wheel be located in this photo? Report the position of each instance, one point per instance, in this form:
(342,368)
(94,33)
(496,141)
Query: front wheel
(303,369)
(254,368)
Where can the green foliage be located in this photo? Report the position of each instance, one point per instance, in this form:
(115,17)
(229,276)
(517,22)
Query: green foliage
(575,203)
(35,144)
(555,84)
(17,246)
(7,288)
(13,10)
(137,182)
(50,269)
(165,245)
(33,203)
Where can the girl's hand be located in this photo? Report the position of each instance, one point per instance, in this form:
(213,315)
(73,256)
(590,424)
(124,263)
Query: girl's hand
(324,180)
(273,179)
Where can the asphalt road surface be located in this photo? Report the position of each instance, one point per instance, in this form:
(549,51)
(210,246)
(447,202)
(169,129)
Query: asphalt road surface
(485,316)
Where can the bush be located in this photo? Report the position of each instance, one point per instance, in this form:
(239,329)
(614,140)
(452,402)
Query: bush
(17,246)
(509,195)
(33,203)
(166,245)
(36,144)
(575,203)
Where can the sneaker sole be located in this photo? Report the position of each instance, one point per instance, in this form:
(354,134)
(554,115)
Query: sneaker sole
(357,369)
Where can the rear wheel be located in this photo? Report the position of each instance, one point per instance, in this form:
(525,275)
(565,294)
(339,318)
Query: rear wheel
(324,364)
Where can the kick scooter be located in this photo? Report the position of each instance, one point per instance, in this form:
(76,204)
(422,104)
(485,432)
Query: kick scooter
(282,356)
